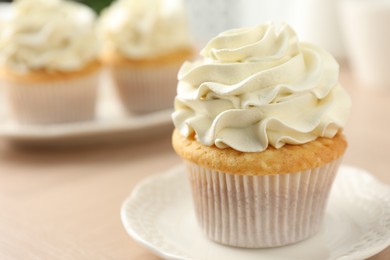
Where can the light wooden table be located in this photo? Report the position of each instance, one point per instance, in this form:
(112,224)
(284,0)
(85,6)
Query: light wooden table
(65,203)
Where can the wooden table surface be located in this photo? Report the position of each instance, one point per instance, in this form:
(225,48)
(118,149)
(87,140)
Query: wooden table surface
(64,203)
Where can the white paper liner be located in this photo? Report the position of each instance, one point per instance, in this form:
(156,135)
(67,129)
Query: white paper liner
(260,211)
(53,102)
(143,90)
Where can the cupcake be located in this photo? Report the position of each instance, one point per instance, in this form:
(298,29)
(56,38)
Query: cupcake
(259,124)
(49,63)
(144,45)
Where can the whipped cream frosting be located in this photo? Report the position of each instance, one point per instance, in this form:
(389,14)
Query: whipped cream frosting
(143,29)
(48,35)
(257,87)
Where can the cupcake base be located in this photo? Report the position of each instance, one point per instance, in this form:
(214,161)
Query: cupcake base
(261,211)
(143,90)
(146,85)
(52,100)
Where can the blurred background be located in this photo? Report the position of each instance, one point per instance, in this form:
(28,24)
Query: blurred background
(352,30)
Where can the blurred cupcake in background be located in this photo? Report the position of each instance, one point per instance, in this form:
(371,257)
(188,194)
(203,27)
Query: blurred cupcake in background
(144,44)
(49,62)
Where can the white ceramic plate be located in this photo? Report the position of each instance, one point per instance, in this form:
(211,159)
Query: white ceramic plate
(159,215)
(111,123)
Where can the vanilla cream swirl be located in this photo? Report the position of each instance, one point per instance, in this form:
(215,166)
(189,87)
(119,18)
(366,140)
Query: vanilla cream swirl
(143,29)
(260,86)
(48,35)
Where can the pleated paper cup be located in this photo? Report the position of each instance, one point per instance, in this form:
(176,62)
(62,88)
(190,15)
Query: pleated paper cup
(143,90)
(52,101)
(260,211)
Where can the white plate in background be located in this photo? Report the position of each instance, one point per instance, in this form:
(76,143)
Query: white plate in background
(111,123)
(159,215)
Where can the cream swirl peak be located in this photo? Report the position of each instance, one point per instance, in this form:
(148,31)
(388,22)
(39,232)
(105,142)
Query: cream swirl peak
(143,29)
(48,35)
(260,86)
